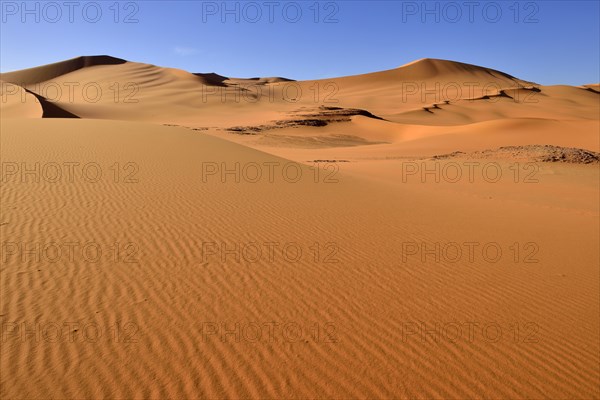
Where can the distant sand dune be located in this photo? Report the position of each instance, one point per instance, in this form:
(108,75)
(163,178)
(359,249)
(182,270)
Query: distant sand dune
(426,92)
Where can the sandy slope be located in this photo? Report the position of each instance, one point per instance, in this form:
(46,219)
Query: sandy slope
(367,296)
(164,303)
(16,102)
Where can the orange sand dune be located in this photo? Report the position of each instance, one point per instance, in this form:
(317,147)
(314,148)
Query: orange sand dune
(427,93)
(375,236)
(51,71)
(17,102)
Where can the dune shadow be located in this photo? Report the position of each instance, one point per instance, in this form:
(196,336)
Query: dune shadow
(51,110)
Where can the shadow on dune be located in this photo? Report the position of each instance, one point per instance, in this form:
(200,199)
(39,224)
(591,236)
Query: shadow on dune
(213,79)
(51,110)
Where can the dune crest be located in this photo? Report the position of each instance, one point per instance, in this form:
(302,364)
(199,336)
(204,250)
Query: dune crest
(47,72)
(431,67)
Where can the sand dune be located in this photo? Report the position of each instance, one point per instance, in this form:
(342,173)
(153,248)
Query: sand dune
(51,71)
(17,102)
(426,93)
(172,281)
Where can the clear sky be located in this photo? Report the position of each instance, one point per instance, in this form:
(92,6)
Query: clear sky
(549,42)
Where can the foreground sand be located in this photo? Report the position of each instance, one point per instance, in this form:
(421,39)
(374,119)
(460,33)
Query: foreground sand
(137,263)
(363,318)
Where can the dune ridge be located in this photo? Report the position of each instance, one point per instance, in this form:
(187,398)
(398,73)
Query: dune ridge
(46,72)
(427,94)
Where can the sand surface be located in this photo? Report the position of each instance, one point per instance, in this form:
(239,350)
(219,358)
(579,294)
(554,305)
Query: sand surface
(182,236)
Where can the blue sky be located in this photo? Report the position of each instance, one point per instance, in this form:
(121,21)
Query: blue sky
(550,42)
